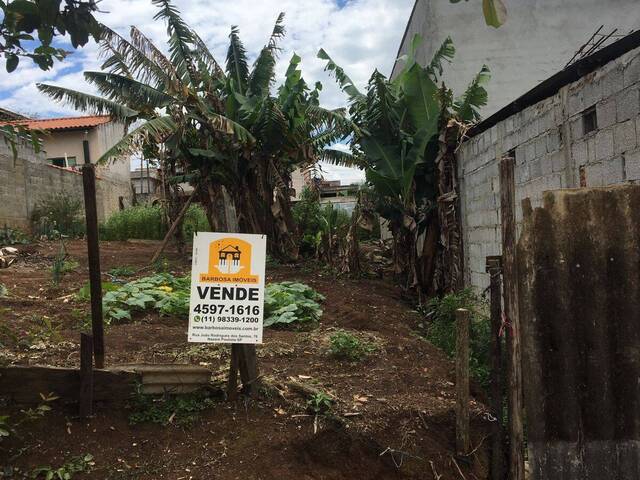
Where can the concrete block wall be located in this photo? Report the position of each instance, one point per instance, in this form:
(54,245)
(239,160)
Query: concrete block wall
(552,151)
(28,179)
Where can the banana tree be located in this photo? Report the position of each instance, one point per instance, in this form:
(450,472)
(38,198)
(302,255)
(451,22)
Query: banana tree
(225,128)
(399,122)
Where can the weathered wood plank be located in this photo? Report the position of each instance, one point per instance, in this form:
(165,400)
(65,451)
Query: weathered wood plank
(23,384)
(462,381)
(510,276)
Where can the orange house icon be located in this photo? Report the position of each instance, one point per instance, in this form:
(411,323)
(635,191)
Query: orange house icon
(229,262)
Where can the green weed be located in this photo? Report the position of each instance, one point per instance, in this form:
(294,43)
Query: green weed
(319,403)
(181,410)
(11,236)
(345,345)
(67,471)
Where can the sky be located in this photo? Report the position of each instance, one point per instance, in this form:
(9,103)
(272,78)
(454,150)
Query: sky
(360,35)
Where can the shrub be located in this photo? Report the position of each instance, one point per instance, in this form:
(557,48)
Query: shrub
(441,329)
(289,302)
(58,214)
(347,346)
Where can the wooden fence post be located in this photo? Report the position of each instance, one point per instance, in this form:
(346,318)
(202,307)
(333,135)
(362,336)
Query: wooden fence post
(462,381)
(86,375)
(494,269)
(510,287)
(93,250)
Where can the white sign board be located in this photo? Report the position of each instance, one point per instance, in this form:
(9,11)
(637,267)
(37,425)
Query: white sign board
(227,288)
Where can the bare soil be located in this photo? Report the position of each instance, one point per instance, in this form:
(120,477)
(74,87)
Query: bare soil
(394,411)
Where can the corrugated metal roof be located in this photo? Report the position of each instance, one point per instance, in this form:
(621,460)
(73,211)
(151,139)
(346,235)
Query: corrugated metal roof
(68,123)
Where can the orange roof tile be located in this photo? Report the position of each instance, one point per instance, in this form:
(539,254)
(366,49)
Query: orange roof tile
(61,123)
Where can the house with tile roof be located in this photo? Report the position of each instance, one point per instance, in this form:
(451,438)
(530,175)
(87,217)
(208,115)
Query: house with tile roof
(34,176)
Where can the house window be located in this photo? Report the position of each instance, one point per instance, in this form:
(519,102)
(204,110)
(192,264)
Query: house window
(64,162)
(589,120)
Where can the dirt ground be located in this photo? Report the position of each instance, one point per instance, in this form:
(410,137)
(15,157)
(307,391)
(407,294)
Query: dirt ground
(393,416)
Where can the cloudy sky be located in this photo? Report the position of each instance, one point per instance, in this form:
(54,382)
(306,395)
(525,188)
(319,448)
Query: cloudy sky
(361,35)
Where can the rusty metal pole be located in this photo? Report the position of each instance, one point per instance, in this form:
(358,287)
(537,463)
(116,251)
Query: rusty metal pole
(93,250)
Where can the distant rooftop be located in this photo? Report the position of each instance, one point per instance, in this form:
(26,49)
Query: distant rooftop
(65,123)
(7,115)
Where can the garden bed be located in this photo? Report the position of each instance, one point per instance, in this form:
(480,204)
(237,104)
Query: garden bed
(391,417)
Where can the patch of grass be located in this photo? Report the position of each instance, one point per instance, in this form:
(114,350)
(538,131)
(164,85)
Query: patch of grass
(440,329)
(347,346)
(82,463)
(147,222)
(181,410)
(291,302)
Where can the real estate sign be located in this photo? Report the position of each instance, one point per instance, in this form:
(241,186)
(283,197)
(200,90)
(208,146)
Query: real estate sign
(227,288)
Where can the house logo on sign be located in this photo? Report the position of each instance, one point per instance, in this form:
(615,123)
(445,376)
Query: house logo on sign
(229,262)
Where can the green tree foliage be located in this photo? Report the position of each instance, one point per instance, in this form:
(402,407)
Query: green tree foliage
(396,139)
(41,21)
(234,134)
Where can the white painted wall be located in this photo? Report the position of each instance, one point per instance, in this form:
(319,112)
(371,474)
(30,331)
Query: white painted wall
(538,39)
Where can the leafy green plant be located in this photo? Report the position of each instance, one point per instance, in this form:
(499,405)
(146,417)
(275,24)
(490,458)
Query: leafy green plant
(289,302)
(162,292)
(182,410)
(75,465)
(4,291)
(347,346)
(58,214)
(440,329)
(11,236)
(319,403)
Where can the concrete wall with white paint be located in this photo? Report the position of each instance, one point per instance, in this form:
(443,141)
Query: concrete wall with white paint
(537,40)
(552,150)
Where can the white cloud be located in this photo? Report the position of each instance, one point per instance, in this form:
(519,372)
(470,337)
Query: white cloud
(361,36)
